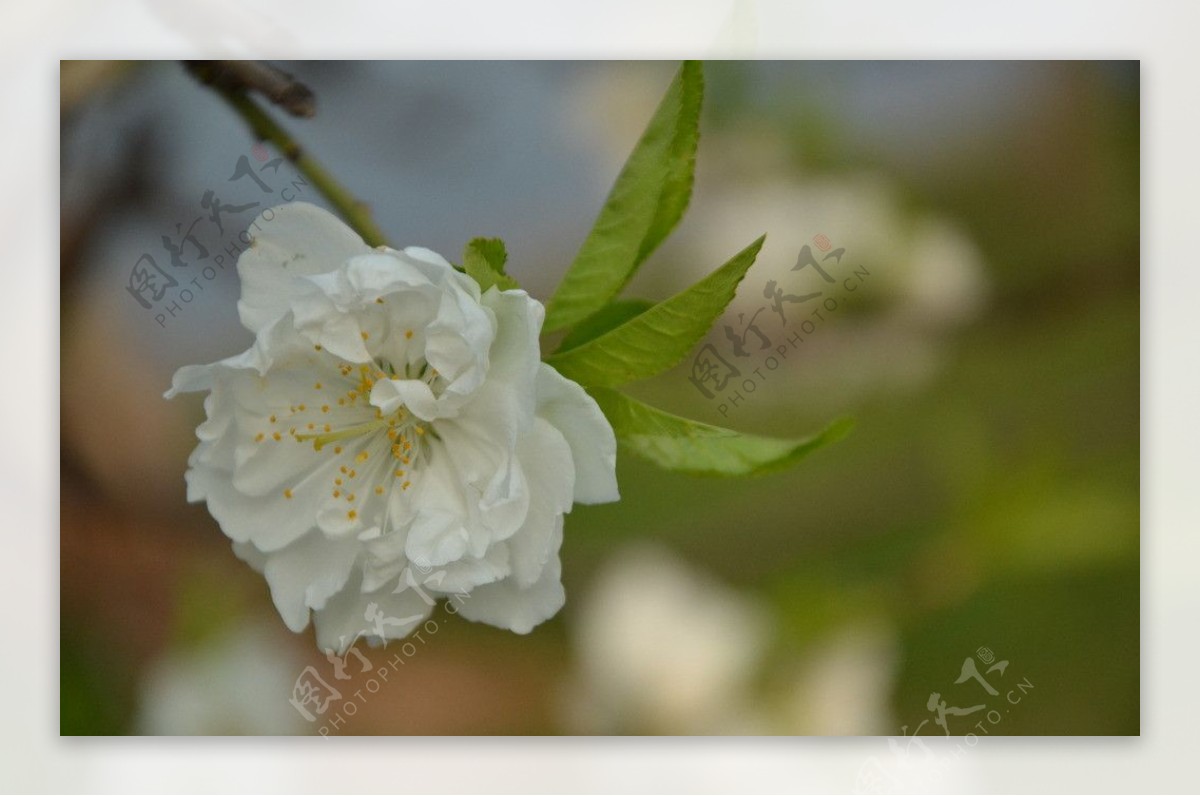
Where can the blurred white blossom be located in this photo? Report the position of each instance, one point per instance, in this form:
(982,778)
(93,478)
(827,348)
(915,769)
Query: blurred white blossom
(663,648)
(843,684)
(237,683)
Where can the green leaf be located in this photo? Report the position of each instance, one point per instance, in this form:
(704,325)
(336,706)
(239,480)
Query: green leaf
(644,205)
(484,259)
(661,336)
(688,446)
(607,319)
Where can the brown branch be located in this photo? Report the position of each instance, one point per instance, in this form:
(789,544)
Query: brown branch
(274,84)
(231,84)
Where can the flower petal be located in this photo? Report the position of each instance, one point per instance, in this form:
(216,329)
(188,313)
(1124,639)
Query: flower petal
(506,604)
(306,574)
(593,444)
(377,616)
(295,239)
(439,531)
(546,460)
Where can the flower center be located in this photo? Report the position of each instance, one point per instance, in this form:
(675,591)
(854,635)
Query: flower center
(388,446)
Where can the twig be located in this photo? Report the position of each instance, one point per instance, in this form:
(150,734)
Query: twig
(356,213)
(276,85)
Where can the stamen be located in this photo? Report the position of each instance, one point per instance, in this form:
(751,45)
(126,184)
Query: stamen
(346,433)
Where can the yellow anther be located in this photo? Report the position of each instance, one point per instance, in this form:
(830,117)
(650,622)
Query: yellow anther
(408,333)
(337,449)
(287,493)
(276,436)
(365,336)
(378,490)
(352,514)
(317,386)
(406,485)
(337,493)
(324,407)
(260,436)
(337,481)
(272,418)
(362,457)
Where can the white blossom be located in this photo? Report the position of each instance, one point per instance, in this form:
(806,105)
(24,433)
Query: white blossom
(391,437)
(665,648)
(233,684)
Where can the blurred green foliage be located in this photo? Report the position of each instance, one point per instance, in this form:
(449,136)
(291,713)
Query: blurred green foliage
(998,506)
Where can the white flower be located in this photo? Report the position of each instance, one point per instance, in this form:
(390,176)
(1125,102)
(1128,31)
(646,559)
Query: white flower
(389,415)
(665,648)
(234,684)
(843,686)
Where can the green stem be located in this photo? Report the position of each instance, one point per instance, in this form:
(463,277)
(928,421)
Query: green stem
(356,213)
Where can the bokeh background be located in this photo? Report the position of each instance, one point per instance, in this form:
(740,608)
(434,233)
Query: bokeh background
(988,498)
